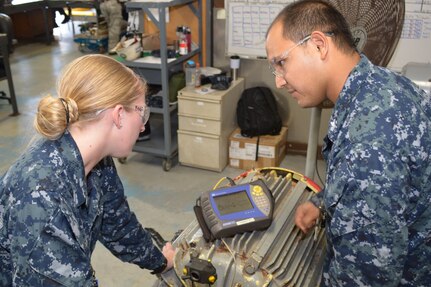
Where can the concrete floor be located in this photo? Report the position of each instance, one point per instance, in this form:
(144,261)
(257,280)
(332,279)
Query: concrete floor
(161,200)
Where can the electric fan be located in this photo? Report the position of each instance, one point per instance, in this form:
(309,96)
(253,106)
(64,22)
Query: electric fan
(376,26)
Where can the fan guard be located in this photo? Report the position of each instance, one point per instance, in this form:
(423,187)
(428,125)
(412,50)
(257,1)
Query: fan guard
(376,26)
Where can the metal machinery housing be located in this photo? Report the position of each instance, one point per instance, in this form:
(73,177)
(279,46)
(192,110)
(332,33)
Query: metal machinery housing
(278,256)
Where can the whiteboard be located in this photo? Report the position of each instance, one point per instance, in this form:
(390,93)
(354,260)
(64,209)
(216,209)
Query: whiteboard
(248,21)
(415,41)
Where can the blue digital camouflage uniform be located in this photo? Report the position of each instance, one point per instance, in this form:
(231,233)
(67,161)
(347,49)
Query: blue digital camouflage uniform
(51,218)
(378,187)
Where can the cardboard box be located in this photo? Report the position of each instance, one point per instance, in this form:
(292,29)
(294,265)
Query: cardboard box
(242,150)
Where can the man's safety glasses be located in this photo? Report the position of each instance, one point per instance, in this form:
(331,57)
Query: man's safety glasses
(276,65)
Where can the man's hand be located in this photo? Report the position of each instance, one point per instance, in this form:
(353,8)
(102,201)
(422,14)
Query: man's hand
(169,253)
(306,215)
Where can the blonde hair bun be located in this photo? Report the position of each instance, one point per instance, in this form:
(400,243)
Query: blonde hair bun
(54,115)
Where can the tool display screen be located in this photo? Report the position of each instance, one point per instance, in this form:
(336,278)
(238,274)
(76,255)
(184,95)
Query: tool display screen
(233,202)
(235,209)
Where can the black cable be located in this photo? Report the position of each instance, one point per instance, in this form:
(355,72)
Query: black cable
(177,234)
(318,175)
(158,239)
(231,181)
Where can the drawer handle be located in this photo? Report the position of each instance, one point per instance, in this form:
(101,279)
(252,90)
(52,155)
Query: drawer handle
(197,124)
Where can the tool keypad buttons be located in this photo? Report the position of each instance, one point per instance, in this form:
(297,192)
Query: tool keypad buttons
(260,199)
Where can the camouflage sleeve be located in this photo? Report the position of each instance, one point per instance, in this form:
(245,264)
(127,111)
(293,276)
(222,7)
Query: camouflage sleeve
(317,198)
(368,231)
(42,244)
(121,232)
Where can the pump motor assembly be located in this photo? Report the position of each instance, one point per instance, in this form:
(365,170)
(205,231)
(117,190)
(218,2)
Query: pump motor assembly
(250,238)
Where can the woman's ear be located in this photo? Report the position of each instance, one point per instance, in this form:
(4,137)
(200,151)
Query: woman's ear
(118,115)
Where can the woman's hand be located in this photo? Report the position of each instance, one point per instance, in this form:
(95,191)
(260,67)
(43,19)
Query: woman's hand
(306,215)
(169,253)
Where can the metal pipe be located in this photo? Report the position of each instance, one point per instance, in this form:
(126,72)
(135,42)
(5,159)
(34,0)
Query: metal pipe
(313,134)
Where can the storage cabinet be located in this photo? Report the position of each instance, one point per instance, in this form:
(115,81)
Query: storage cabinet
(163,122)
(205,123)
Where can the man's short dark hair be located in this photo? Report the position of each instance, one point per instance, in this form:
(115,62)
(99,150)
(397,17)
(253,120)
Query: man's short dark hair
(301,18)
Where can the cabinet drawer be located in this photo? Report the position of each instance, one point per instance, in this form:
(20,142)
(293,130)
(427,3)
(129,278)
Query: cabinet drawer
(201,150)
(200,125)
(199,108)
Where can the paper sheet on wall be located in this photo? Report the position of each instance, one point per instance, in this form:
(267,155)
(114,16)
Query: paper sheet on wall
(415,41)
(247,23)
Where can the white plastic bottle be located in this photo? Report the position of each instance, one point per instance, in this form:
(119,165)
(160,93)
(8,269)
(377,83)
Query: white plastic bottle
(183,45)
